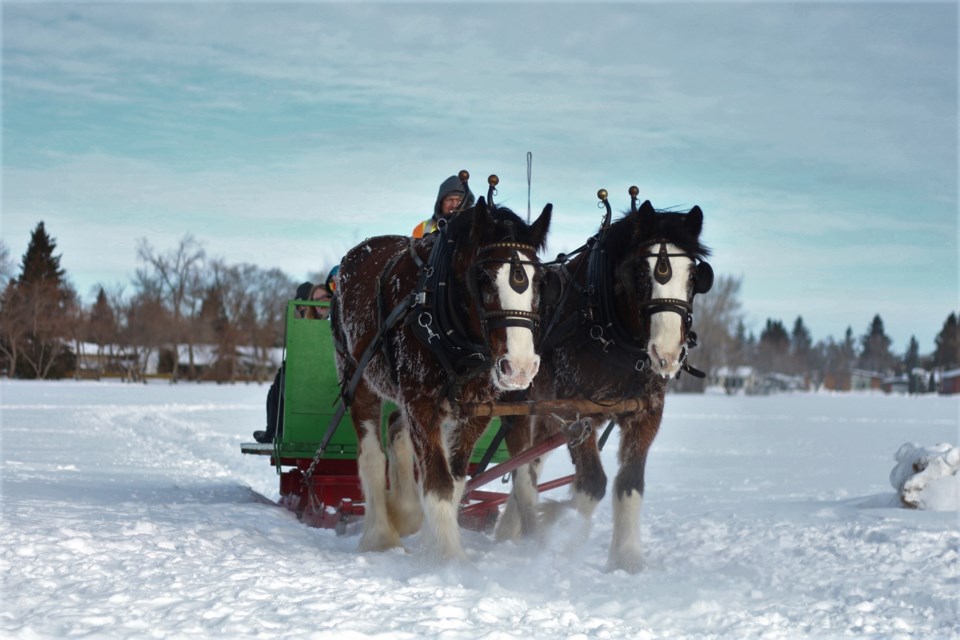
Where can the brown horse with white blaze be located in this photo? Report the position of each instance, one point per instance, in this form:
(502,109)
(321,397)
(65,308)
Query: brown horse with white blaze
(451,319)
(623,329)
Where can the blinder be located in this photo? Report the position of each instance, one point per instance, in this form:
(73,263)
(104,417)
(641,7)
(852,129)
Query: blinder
(703,281)
(551,288)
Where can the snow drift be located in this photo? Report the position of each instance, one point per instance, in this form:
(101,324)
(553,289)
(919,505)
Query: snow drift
(927,477)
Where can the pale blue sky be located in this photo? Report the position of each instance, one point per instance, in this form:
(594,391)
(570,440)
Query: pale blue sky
(819,139)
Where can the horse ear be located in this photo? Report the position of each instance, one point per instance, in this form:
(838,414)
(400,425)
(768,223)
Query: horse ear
(482,221)
(540,227)
(645,219)
(694,221)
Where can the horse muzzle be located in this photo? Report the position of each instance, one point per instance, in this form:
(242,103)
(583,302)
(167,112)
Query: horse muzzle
(665,362)
(515,374)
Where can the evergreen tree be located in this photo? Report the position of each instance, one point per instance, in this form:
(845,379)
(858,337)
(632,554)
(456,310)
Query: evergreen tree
(44,301)
(774,347)
(947,352)
(911,359)
(876,354)
(39,265)
(801,345)
(849,347)
(839,360)
(101,326)
(744,345)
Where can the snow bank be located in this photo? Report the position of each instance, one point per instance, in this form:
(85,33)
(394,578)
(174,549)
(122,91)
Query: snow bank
(927,477)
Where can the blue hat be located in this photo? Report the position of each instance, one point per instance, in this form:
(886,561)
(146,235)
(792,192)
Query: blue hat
(331,284)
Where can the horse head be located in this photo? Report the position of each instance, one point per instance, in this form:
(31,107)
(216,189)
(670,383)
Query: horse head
(670,270)
(496,257)
(657,265)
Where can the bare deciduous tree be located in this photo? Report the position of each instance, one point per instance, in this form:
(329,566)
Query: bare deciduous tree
(47,308)
(717,315)
(14,326)
(7,268)
(146,330)
(176,276)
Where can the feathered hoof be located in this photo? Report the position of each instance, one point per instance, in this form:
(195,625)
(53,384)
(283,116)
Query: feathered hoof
(439,554)
(507,528)
(550,511)
(379,541)
(406,521)
(629,560)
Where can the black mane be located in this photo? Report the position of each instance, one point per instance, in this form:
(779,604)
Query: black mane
(507,226)
(627,234)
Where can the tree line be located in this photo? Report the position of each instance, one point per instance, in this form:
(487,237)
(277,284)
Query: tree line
(177,304)
(725,342)
(182,302)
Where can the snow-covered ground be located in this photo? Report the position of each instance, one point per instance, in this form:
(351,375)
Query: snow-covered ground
(128,511)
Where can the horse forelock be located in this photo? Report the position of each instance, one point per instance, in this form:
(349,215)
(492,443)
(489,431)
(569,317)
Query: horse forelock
(507,227)
(625,235)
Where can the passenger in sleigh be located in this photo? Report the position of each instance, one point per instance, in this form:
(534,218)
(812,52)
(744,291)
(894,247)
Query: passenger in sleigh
(306,291)
(319,293)
(451,198)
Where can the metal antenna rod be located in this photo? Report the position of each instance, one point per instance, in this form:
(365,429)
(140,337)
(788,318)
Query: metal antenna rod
(529,172)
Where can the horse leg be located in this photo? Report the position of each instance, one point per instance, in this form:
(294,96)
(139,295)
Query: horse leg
(440,492)
(378,531)
(637,432)
(519,517)
(406,512)
(462,443)
(590,482)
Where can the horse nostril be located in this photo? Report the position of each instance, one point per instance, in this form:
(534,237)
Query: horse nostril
(505,368)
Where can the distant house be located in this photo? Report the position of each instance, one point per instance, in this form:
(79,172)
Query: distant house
(243,362)
(733,380)
(950,382)
(837,381)
(896,384)
(777,383)
(94,361)
(862,380)
(748,380)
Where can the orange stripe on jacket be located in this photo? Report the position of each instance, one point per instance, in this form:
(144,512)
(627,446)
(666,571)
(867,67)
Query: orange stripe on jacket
(426,227)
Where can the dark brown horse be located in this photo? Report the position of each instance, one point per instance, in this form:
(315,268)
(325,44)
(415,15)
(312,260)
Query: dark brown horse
(623,330)
(452,319)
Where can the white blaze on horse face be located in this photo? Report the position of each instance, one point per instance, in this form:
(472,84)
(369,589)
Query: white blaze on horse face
(666,327)
(516,369)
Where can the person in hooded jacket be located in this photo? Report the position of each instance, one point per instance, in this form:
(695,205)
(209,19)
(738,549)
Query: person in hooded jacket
(451,197)
(274,397)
